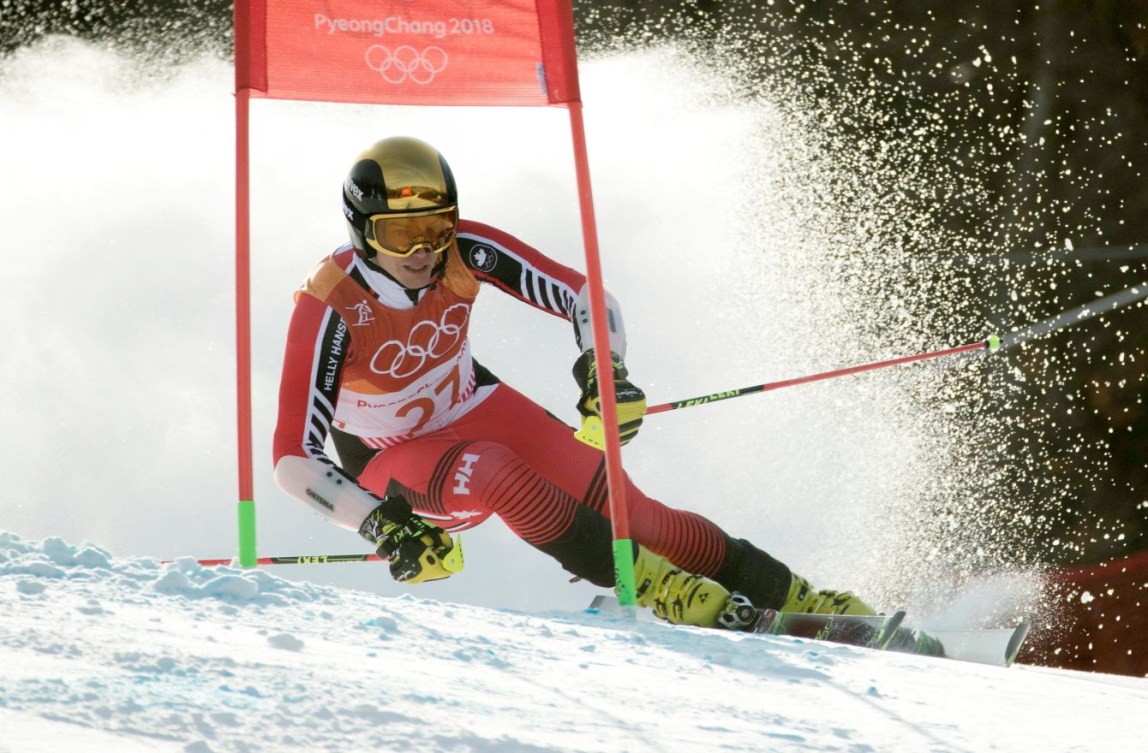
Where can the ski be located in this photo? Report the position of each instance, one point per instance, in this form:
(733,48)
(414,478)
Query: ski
(869,631)
(997,647)
(992,646)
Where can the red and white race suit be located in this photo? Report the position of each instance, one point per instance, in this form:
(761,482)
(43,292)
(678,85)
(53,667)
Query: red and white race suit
(389,374)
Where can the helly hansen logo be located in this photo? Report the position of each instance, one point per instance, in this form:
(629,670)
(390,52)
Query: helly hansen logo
(463,473)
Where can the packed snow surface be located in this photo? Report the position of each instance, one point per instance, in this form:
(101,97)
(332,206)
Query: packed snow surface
(123,655)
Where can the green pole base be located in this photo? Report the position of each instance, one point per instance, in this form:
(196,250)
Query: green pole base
(624,572)
(247,555)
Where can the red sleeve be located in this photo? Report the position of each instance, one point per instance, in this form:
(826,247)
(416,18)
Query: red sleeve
(309,388)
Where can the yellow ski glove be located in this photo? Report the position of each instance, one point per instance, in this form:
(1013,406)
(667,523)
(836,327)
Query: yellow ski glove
(418,551)
(631,401)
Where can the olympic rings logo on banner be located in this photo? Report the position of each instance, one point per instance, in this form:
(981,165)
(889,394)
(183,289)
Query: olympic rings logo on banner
(406,63)
(427,341)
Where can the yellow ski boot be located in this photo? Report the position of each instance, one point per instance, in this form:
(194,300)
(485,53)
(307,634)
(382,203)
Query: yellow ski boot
(675,595)
(802,598)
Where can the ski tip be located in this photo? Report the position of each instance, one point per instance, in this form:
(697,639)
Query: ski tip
(993,343)
(888,630)
(1015,642)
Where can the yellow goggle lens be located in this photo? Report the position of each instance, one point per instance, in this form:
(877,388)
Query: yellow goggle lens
(403,235)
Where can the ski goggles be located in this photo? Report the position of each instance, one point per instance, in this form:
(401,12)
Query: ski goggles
(401,235)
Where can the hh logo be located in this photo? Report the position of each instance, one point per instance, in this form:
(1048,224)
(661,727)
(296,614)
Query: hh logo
(463,473)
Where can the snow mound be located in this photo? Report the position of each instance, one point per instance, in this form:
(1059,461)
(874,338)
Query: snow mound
(107,654)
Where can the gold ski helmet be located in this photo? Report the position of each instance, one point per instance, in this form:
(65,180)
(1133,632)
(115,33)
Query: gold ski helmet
(399,176)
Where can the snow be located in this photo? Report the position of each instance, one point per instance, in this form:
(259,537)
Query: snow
(112,654)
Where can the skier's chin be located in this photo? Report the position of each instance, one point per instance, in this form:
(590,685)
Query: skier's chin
(417,277)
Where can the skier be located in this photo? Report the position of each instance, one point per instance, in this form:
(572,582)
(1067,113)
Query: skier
(430,442)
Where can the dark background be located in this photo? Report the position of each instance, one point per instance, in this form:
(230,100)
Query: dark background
(1037,120)
(1047,142)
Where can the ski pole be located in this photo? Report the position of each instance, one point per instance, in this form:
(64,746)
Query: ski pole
(302,559)
(992,343)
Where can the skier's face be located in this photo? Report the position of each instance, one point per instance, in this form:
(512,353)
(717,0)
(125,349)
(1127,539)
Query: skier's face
(412,271)
(410,247)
